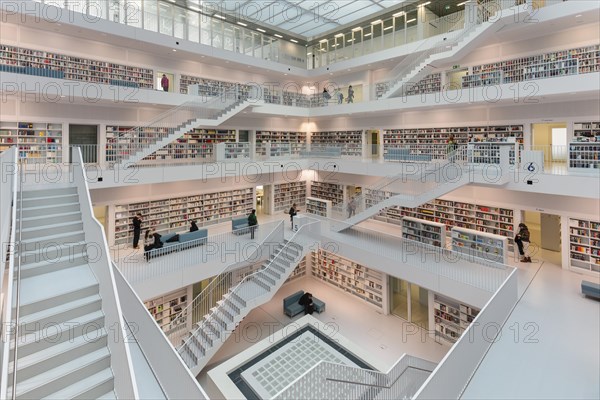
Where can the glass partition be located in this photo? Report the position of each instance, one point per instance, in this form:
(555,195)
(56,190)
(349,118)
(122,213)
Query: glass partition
(133,13)
(150,12)
(165,19)
(179,23)
(193,26)
(216,33)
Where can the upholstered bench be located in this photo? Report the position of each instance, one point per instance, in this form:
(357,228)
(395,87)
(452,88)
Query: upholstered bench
(239,226)
(291,307)
(590,289)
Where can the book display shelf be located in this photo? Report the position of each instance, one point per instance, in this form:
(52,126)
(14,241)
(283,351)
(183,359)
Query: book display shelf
(281,142)
(286,194)
(318,207)
(296,99)
(164,308)
(38,142)
(175,214)
(61,66)
(431,233)
(451,318)
(584,156)
(490,152)
(483,218)
(586,131)
(119,139)
(423,138)
(198,143)
(299,271)
(351,141)
(480,244)
(580,60)
(430,84)
(210,87)
(365,283)
(327,191)
(584,244)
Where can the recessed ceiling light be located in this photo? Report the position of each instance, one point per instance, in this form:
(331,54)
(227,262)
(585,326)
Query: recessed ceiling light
(219,16)
(174,49)
(293,40)
(578,15)
(284,74)
(261,30)
(241,23)
(278,35)
(308,54)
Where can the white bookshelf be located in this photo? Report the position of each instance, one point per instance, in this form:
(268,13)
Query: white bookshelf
(165,308)
(318,207)
(198,143)
(286,194)
(584,156)
(480,244)
(353,278)
(586,131)
(451,317)
(174,214)
(584,244)
(38,142)
(350,141)
(490,152)
(327,191)
(431,233)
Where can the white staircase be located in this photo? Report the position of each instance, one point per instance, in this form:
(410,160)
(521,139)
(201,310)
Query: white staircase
(253,291)
(62,347)
(135,145)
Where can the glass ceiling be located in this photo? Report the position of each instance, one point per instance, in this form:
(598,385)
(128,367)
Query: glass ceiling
(307,18)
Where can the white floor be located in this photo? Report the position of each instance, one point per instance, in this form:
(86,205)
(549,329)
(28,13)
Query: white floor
(549,348)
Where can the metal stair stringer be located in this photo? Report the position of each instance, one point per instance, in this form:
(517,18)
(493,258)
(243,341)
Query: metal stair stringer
(186,127)
(254,290)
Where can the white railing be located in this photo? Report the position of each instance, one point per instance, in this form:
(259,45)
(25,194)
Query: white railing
(221,248)
(328,380)
(100,264)
(9,184)
(451,376)
(181,324)
(174,377)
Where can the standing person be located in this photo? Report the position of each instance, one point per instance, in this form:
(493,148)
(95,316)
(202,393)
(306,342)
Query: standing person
(137,229)
(307,301)
(326,96)
(252,222)
(522,241)
(350,94)
(293,211)
(351,207)
(340,96)
(193,226)
(164,83)
(451,148)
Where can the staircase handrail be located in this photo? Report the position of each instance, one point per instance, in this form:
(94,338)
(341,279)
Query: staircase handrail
(458,156)
(13,187)
(357,382)
(101,266)
(201,301)
(250,277)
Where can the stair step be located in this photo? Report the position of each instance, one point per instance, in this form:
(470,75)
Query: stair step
(44,220)
(265,278)
(52,253)
(272,272)
(50,200)
(59,314)
(32,269)
(96,386)
(29,194)
(196,343)
(36,363)
(58,228)
(205,337)
(107,396)
(33,342)
(188,356)
(52,238)
(67,374)
(50,210)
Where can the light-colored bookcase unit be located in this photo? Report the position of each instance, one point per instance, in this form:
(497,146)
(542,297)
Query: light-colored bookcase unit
(490,152)
(451,318)
(480,244)
(165,308)
(210,87)
(300,270)
(584,244)
(349,276)
(38,142)
(586,131)
(482,78)
(174,214)
(42,63)
(119,139)
(318,207)
(296,99)
(281,142)
(286,194)
(350,141)
(327,191)
(431,233)
(584,156)
(430,84)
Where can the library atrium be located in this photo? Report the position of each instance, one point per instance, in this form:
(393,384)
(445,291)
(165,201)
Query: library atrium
(326,199)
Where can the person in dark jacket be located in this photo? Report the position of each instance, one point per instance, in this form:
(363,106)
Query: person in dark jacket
(293,211)
(307,301)
(193,226)
(252,222)
(522,241)
(137,229)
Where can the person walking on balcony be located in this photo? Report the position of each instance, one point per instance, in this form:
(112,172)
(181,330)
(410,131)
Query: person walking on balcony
(451,149)
(252,223)
(164,83)
(351,207)
(137,229)
(350,97)
(522,241)
(326,96)
(293,211)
